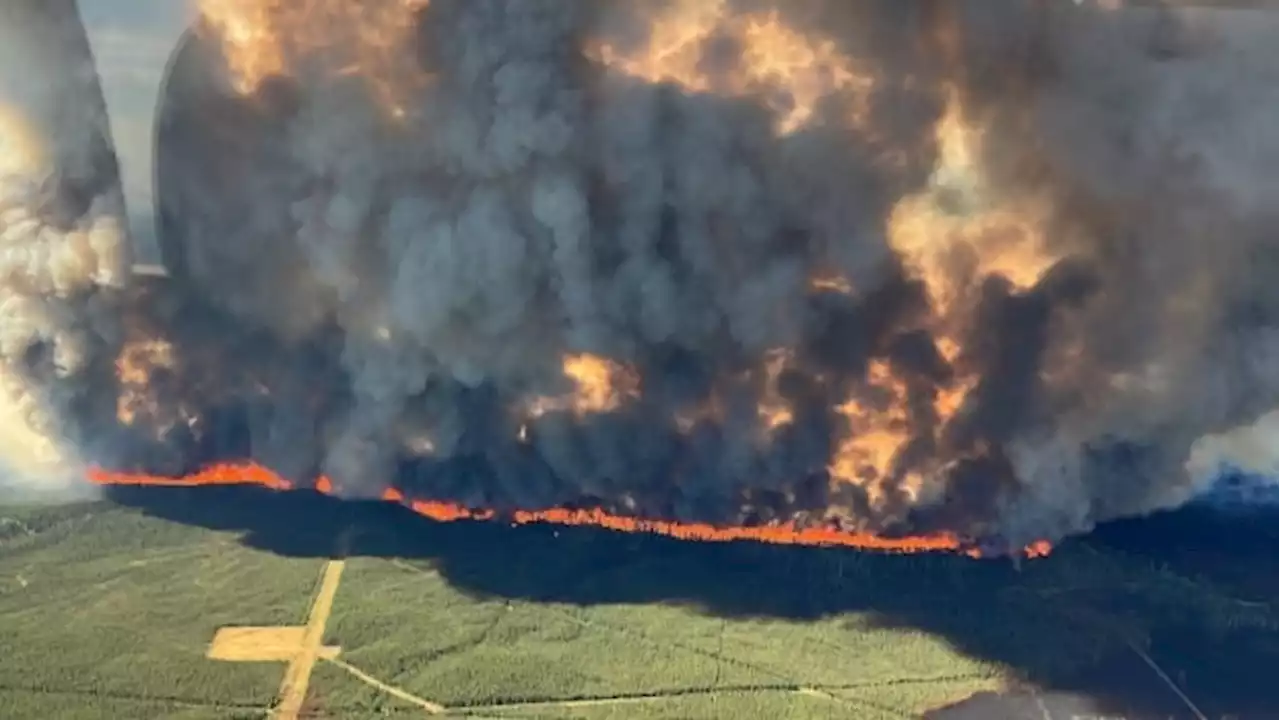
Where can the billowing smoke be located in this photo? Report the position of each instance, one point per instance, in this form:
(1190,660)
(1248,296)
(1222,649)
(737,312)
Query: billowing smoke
(64,254)
(992,268)
(1239,467)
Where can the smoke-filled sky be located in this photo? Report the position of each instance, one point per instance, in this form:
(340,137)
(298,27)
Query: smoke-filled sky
(131,42)
(990,268)
(63,241)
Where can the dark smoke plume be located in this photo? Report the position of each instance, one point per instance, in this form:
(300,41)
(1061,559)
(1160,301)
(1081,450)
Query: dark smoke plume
(994,268)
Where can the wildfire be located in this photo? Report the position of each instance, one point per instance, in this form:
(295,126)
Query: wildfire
(251,474)
(959,219)
(600,385)
(134,368)
(874,437)
(765,59)
(950,398)
(958,214)
(772,60)
(339,38)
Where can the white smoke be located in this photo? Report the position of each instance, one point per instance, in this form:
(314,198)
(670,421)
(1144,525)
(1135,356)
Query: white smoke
(1253,450)
(62,240)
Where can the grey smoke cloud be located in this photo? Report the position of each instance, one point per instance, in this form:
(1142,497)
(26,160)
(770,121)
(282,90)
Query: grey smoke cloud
(542,252)
(131,42)
(64,251)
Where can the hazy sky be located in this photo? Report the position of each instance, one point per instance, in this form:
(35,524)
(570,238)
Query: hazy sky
(132,41)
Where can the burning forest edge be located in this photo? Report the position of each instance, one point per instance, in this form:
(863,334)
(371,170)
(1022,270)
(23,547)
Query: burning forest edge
(891,276)
(251,474)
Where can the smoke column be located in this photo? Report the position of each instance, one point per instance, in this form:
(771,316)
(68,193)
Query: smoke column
(967,267)
(64,254)
(1244,464)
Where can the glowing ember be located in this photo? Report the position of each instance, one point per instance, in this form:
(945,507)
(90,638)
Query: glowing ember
(782,534)
(959,213)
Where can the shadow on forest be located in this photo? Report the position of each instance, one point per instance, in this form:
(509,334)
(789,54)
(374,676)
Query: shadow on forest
(987,609)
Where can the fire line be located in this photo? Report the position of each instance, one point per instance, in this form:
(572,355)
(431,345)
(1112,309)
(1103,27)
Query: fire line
(253,474)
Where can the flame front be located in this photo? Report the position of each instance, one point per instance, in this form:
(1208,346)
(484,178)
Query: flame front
(251,474)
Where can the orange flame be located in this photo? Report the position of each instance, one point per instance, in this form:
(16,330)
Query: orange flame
(792,72)
(600,385)
(249,473)
(265,38)
(775,58)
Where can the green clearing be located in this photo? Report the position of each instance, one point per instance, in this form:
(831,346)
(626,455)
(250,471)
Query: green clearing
(106,612)
(523,659)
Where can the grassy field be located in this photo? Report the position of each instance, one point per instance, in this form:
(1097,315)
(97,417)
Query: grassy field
(105,613)
(519,658)
(107,609)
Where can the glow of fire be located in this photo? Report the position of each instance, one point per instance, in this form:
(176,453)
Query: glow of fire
(239,474)
(21,151)
(134,368)
(262,38)
(956,213)
(600,386)
(774,60)
(367,40)
(602,383)
(774,411)
(874,438)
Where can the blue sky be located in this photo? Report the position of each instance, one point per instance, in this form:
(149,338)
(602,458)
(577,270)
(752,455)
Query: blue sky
(132,41)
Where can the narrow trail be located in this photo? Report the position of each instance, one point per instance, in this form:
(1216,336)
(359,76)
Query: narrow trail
(819,691)
(297,677)
(362,676)
(1168,681)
